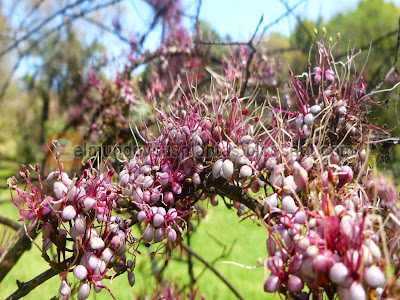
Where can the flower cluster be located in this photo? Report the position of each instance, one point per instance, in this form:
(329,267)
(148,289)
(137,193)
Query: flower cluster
(78,218)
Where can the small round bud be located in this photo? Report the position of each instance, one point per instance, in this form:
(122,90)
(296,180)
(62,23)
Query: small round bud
(59,190)
(64,292)
(295,284)
(357,291)
(80,272)
(338,273)
(68,213)
(84,291)
(172,236)
(374,277)
(131,278)
(141,216)
(272,284)
(148,233)
(227,169)
(217,168)
(96,243)
(288,205)
(245,172)
(300,177)
(345,175)
(158,220)
(108,255)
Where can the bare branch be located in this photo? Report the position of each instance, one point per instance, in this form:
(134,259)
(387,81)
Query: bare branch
(394,66)
(277,20)
(224,188)
(24,288)
(215,271)
(108,29)
(14,251)
(34,44)
(10,223)
(40,25)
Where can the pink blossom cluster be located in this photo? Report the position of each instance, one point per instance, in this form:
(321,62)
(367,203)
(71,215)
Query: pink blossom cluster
(78,218)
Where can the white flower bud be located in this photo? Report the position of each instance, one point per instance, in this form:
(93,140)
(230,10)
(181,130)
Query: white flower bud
(64,292)
(88,204)
(245,171)
(68,213)
(80,224)
(338,273)
(148,233)
(97,286)
(80,272)
(300,177)
(374,277)
(288,205)
(59,190)
(84,291)
(96,243)
(227,169)
(108,255)
(356,291)
(158,220)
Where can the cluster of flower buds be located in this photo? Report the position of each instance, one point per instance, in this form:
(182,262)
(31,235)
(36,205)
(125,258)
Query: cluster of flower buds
(337,247)
(321,218)
(78,218)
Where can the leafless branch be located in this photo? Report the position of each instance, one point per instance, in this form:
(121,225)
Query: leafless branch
(108,29)
(394,65)
(34,44)
(10,223)
(277,20)
(40,25)
(24,288)
(17,246)
(215,271)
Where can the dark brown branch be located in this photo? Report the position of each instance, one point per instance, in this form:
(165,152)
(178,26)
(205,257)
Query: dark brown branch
(196,25)
(235,193)
(10,223)
(215,271)
(24,288)
(14,251)
(190,265)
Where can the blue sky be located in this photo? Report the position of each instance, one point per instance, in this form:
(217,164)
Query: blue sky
(238,18)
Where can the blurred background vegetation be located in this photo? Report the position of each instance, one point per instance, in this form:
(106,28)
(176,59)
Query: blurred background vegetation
(40,92)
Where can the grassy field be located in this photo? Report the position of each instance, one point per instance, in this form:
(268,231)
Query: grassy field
(217,233)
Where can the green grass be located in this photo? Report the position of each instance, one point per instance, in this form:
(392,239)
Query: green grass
(218,231)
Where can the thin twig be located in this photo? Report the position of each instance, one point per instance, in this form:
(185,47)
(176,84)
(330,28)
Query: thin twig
(249,61)
(393,68)
(277,20)
(71,18)
(215,271)
(190,265)
(40,25)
